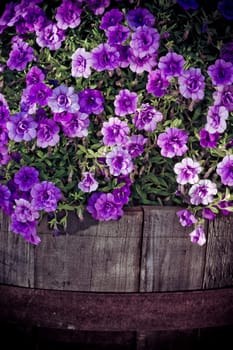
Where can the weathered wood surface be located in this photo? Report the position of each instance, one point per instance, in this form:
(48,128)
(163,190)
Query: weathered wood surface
(116,311)
(147,250)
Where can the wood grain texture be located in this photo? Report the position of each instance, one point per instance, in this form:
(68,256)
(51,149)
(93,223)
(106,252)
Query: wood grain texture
(98,256)
(116,311)
(169,260)
(16,257)
(219,254)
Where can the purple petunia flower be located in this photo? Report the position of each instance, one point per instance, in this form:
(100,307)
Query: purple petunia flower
(21,127)
(147,117)
(62,117)
(105,57)
(25,229)
(121,195)
(224,205)
(34,75)
(171,65)
(207,139)
(98,6)
(186,218)
(208,214)
(125,102)
(105,207)
(117,34)
(39,93)
(50,36)
(203,192)
(48,133)
(111,18)
(157,83)
(88,183)
(77,126)
(68,15)
(91,101)
(119,161)
(192,84)
(142,64)
(45,196)
(145,41)
(81,63)
(21,54)
(135,145)
(139,17)
(226,52)
(188,4)
(7,15)
(216,119)
(225,7)
(4,196)
(4,155)
(34,17)
(225,170)
(198,235)
(221,72)
(224,97)
(24,211)
(125,53)
(173,142)
(26,178)
(3,133)
(187,171)
(115,132)
(91,204)
(63,98)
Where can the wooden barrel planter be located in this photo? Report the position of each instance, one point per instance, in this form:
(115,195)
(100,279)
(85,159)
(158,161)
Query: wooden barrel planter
(138,275)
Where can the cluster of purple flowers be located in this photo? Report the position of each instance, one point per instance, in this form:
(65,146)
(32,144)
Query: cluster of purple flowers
(129,124)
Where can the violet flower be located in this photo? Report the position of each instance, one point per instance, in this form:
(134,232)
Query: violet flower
(225,7)
(198,235)
(225,170)
(171,65)
(106,208)
(111,18)
(77,126)
(121,195)
(88,183)
(139,17)
(117,34)
(81,63)
(223,96)
(47,133)
(125,102)
(68,15)
(21,127)
(145,41)
(115,132)
(135,145)
(202,192)
(26,229)
(147,117)
(157,83)
(21,54)
(207,139)
(98,6)
(24,211)
(188,4)
(186,218)
(39,93)
(216,119)
(26,178)
(50,36)
(141,64)
(226,52)
(105,57)
(173,142)
(187,171)
(45,196)
(192,84)
(34,75)
(221,72)
(91,101)
(119,161)
(63,98)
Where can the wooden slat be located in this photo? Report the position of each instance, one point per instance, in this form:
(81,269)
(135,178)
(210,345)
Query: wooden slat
(219,255)
(16,257)
(169,260)
(95,256)
(116,311)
